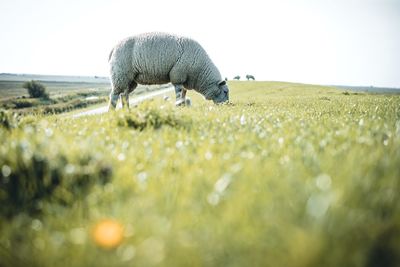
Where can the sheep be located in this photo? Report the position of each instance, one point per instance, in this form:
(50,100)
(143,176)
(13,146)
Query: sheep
(237,77)
(159,58)
(250,77)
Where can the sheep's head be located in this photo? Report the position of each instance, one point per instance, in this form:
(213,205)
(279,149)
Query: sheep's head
(221,94)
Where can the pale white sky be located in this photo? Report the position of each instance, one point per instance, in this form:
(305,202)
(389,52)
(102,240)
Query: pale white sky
(351,42)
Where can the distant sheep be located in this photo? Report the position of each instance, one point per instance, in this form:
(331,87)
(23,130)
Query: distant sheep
(159,58)
(250,77)
(237,77)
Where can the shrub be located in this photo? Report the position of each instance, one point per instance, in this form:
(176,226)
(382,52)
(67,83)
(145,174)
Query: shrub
(7,120)
(27,181)
(22,103)
(153,118)
(35,89)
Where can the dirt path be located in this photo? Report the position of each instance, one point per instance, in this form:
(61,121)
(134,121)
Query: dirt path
(132,101)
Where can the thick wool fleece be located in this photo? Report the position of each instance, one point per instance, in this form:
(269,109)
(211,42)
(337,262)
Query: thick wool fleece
(158,58)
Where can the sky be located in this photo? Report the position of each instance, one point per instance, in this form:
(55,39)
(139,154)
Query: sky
(332,42)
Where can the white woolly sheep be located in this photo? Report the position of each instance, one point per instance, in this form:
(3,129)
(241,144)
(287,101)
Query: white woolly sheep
(159,58)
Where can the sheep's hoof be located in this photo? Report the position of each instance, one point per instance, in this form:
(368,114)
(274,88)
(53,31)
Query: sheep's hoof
(180,102)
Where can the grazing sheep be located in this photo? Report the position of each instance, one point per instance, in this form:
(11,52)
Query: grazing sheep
(250,77)
(237,77)
(159,58)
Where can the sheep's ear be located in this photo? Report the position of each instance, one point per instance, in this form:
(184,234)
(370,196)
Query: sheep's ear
(221,83)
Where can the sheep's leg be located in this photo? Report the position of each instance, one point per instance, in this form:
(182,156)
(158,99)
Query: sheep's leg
(180,94)
(184,94)
(125,99)
(113,101)
(125,95)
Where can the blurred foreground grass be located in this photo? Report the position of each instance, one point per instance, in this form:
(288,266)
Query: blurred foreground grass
(286,175)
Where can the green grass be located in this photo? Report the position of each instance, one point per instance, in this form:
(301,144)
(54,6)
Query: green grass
(64,96)
(286,175)
(10,89)
(57,105)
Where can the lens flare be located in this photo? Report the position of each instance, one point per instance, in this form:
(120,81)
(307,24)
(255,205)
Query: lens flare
(108,233)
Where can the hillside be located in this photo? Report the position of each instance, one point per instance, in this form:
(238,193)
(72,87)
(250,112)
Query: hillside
(285,175)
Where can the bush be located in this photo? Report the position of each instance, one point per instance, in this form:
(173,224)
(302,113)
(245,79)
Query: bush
(35,89)
(25,182)
(22,103)
(153,117)
(7,120)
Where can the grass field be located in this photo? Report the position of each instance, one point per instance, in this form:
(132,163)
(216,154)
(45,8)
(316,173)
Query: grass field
(66,93)
(285,175)
(11,84)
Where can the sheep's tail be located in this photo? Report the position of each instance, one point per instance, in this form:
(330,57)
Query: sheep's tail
(109,57)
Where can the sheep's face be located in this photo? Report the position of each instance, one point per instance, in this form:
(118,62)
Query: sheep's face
(221,94)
